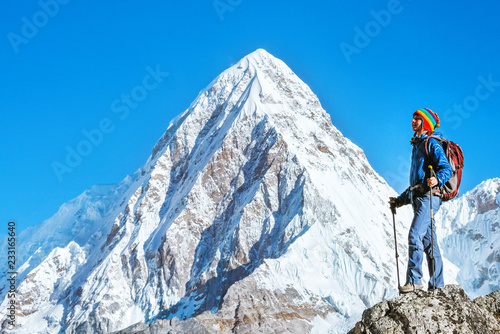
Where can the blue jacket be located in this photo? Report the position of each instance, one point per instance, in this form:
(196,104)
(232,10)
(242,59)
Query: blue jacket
(419,171)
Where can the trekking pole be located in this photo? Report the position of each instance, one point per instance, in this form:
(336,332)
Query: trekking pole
(393,210)
(433,262)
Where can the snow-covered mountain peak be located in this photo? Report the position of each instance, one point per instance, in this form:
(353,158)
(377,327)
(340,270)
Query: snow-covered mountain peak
(257,84)
(247,185)
(484,198)
(262,61)
(261,54)
(486,195)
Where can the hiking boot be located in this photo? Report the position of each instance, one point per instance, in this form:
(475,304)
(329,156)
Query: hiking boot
(409,287)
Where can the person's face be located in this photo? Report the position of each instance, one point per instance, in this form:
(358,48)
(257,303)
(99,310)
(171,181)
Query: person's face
(416,123)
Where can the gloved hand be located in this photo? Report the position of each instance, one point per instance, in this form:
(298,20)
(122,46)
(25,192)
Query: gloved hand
(393,204)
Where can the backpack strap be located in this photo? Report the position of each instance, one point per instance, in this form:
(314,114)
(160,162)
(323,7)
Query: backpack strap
(441,140)
(426,142)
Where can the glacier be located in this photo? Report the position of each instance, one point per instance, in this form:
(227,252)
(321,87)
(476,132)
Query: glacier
(252,213)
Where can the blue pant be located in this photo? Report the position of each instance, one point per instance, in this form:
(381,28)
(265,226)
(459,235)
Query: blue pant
(419,241)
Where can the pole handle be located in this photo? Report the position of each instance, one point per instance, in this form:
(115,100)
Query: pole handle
(433,173)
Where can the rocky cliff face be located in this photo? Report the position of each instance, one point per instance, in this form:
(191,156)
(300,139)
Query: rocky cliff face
(447,310)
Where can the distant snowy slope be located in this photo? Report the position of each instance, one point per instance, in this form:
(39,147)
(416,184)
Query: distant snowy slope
(470,231)
(81,220)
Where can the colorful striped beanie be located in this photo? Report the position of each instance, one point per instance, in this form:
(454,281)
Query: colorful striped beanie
(429,118)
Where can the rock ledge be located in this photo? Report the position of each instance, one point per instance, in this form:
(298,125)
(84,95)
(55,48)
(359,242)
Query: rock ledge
(447,310)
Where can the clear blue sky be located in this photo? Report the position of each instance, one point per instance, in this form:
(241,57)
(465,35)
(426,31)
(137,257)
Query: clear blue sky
(67,67)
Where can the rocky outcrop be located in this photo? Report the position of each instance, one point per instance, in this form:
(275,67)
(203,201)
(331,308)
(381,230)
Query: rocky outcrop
(447,310)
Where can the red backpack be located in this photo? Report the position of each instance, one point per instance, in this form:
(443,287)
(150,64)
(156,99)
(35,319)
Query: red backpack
(456,160)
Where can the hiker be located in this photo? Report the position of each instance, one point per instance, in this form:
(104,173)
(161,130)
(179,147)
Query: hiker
(422,178)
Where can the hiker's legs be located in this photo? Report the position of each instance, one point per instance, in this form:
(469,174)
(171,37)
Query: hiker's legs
(418,230)
(437,271)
